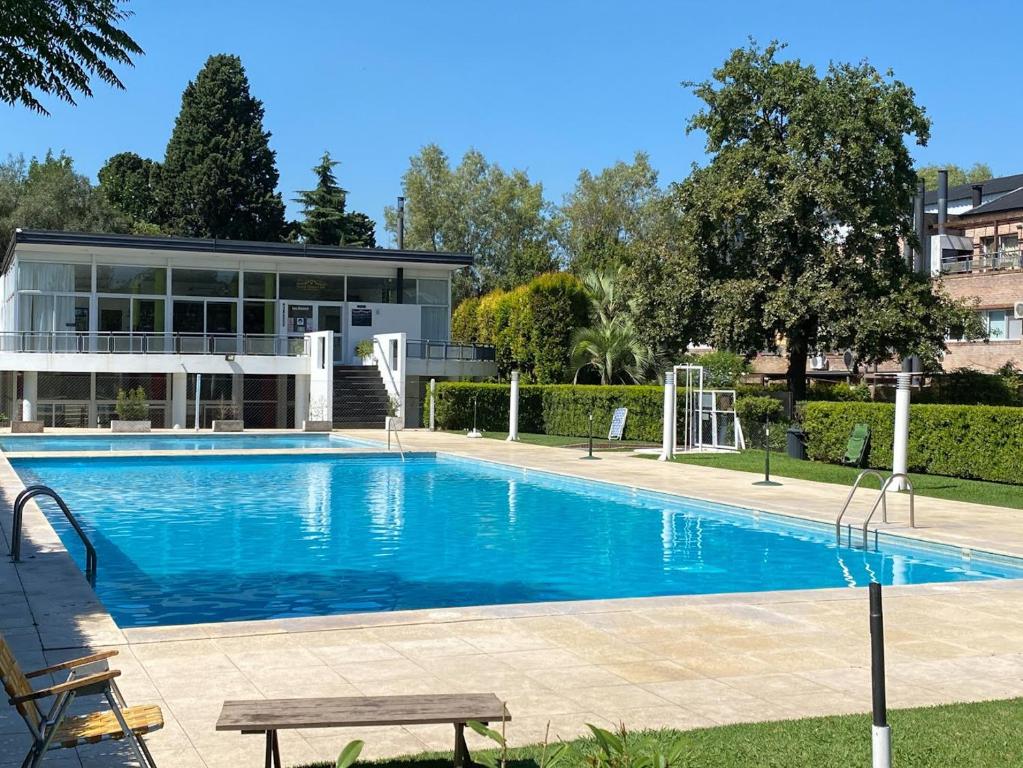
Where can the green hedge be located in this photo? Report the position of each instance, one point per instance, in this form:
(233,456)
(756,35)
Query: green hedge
(983,442)
(551,409)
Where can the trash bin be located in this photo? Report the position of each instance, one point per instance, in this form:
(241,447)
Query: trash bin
(795,443)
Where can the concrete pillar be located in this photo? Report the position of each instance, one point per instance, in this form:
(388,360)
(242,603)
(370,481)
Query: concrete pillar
(668,429)
(29,395)
(513,409)
(179,400)
(301,399)
(900,447)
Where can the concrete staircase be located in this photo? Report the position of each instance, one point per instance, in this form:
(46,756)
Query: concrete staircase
(360,397)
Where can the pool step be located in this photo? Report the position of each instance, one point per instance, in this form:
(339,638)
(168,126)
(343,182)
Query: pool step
(360,397)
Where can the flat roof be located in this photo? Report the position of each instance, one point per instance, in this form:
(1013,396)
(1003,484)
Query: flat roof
(236,247)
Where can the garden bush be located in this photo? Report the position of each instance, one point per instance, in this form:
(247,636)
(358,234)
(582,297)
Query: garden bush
(982,442)
(563,409)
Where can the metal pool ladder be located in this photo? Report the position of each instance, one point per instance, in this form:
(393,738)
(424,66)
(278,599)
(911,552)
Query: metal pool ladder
(19,509)
(880,500)
(389,425)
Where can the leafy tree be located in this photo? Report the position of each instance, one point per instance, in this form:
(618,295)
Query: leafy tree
(50,194)
(130,183)
(219,177)
(956,174)
(605,216)
(798,216)
(325,220)
(479,209)
(56,47)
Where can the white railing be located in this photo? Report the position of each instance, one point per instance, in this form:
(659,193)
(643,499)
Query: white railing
(1009,258)
(126,343)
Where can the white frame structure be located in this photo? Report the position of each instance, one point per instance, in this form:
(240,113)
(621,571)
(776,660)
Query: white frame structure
(697,403)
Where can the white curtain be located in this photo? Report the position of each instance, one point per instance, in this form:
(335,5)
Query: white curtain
(47,277)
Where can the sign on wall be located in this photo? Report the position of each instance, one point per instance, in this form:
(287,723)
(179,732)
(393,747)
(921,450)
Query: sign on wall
(362,317)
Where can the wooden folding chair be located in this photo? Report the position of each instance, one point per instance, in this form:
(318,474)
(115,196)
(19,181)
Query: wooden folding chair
(55,729)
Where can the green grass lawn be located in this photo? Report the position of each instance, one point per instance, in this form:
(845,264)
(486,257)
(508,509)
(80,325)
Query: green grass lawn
(561,441)
(752,460)
(982,735)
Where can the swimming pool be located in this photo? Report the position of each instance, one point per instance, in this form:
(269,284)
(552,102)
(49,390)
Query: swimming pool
(183,442)
(212,538)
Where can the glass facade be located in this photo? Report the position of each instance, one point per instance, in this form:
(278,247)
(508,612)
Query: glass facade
(313,287)
(133,280)
(204,282)
(375,290)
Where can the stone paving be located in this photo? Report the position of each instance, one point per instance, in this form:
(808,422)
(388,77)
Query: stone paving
(676,661)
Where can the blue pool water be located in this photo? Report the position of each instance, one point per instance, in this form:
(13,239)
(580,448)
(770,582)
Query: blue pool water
(195,539)
(183,442)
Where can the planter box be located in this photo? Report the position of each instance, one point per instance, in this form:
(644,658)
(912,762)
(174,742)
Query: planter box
(25,427)
(117,425)
(317,426)
(228,425)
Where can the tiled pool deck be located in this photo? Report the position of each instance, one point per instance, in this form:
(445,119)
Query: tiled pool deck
(682,662)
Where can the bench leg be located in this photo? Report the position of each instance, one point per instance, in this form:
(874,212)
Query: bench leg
(273,750)
(462,758)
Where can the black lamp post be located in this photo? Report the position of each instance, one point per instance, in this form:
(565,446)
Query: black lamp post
(589,454)
(767,456)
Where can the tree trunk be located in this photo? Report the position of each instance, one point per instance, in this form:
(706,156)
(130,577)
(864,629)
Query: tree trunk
(797,369)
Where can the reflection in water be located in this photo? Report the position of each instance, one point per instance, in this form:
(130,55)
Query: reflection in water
(315,512)
(385,500)
(513,501)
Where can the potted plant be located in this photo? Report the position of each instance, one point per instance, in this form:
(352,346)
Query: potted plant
(132,412)
(366,351)
(227,420)
(317,421)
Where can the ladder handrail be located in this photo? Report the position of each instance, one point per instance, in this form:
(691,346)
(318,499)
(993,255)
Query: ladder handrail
(884,488)
(852,492)
(19,510)
(389,426)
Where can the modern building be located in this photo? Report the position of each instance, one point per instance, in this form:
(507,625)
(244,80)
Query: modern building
(255,324)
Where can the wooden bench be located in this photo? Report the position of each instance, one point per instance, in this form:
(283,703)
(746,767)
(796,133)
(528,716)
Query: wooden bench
(268,716)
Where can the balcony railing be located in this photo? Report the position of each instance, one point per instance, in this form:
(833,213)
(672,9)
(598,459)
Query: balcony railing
(984,262)
(424,349)
(151,343)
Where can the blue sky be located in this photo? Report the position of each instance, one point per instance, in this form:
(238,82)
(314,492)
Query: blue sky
(549,87)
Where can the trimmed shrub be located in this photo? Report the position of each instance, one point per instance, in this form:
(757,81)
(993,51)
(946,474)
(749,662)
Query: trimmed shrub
(131,405)
(982,442)
(551,409)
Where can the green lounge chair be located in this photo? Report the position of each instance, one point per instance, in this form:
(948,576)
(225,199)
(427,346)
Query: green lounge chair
(856,448)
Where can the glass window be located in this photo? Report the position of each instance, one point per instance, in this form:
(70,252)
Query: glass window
(434,323)
(147,315)
(408,291)
(257,316)
(134,280)
(433,292)
(204,282)
(376,290)
(188,317)
(36,312)
(260,285)
(114,314)
(997,326)
(221,317)
(309,287)
(63,278)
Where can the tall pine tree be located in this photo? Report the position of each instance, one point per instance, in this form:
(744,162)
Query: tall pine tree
(326,222)
(219,178)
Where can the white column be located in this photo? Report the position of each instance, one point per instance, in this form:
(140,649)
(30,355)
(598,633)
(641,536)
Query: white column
(433,405)
(513,409)
(900,448)
(301,399)
(179,400)
(29,395)
(668,431)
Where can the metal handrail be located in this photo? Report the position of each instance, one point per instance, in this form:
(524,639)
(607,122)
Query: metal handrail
(880,499)
(389,426)
(19,509)
(149,342)
(430,349)
(849,498)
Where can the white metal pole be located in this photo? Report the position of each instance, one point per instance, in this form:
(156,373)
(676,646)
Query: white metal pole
(900,449)
(198,395)
(433,405)
(881,741)
(513,409)
(668,431)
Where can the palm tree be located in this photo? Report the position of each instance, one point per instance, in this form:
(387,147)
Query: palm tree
(608,296)
(614,349)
